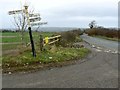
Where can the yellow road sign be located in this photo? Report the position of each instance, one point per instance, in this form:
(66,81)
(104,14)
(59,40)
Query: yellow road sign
(46,40)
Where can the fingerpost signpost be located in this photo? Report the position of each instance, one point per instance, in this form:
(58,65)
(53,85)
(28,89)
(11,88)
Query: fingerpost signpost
(32,20)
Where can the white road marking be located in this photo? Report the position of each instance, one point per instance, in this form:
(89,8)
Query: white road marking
(100,49)
(93,46)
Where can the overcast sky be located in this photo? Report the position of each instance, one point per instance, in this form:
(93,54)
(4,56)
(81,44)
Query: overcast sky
(65,13)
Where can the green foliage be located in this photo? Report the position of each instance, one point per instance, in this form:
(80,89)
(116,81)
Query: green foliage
(107,38)
(110,33)
(16,37)
(69,37)
(10,33)
(51,54)
(61,54)
(13,37)
(9,47)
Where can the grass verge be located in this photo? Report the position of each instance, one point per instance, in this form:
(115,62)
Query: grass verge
(25,62)
(107,38)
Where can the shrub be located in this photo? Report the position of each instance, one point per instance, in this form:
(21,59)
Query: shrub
(111,33)
(68,37)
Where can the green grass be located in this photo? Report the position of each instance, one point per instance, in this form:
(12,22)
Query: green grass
(17,38)
(11,40)
(26,33)
(24,57)
(10,47)
(60,55)
(10,33)
(78,39)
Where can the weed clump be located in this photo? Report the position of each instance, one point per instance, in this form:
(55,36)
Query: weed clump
(69,37)
(110,33)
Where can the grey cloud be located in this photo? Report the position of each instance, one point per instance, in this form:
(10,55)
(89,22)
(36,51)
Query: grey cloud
(77,15)
(85,11)
(67,16)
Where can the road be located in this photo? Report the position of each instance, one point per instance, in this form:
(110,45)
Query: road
(98,70)
(112,45)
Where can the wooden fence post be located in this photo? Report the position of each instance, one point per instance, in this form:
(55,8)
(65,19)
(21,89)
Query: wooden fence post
(41,43)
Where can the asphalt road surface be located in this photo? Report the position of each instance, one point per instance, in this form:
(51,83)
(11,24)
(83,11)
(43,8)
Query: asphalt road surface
(107,44)
(98,70)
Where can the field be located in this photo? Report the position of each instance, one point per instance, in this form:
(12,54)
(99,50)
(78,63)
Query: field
(16,57)
(11,40)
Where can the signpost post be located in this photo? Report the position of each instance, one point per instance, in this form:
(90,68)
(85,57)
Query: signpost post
(32,43)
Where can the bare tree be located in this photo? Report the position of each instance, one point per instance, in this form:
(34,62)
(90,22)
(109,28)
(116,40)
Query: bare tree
(92,24)
(20,22)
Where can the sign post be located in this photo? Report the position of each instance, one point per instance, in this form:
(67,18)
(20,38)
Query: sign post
(32,20)
(32,43)
(30,32)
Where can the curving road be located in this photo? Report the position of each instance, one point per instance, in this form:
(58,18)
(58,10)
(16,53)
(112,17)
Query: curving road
(107,44)
(98,70)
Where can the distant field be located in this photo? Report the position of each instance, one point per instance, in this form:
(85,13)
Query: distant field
(10,39)
(17,36)
(10,34)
